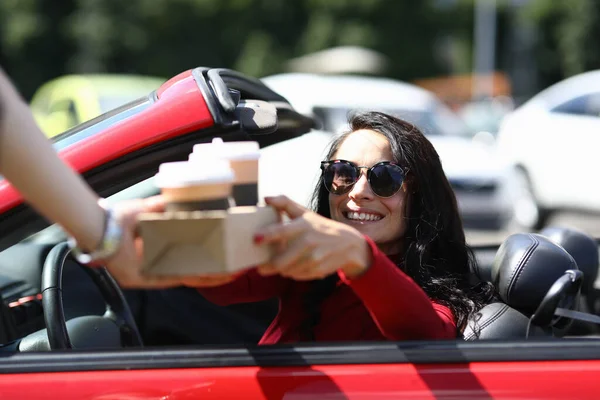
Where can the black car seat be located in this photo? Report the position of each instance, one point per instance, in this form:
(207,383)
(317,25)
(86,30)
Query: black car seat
(584,249)
(526,266)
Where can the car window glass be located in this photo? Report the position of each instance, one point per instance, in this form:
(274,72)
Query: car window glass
(437,120)
(588,104)
(447,122)
(426,121)
(54,233)
(100,123)
(593,105)
(109,103)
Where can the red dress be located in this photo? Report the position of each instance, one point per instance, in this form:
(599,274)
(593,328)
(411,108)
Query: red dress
(382,304)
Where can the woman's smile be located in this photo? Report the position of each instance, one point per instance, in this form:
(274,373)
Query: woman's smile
(362,216)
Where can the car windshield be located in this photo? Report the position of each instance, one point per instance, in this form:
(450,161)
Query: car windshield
(98,124)
(109,103)
(435,121)
(55,233)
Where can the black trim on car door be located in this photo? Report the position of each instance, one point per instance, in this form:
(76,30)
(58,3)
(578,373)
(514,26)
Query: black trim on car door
(288,356)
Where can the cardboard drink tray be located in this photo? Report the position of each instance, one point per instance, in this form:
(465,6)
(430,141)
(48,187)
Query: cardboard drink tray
(187,243)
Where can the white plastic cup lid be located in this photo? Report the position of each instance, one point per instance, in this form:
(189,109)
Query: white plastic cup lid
(182,173)
(233,151)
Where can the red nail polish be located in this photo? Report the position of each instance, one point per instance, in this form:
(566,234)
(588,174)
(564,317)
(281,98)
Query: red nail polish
(258,239)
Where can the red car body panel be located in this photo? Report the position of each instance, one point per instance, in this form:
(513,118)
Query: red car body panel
(492,380)
(180,109)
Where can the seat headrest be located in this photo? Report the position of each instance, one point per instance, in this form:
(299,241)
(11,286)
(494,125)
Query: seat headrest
(581,246)
(525,267)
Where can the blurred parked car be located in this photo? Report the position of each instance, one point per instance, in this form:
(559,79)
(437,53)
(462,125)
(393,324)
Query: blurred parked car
(481,182)
(553,143)
(486,115)
(69,100)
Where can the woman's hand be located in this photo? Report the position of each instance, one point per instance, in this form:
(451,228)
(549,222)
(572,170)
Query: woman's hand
(311,246)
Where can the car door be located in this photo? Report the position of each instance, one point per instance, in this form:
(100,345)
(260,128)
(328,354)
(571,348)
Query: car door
(575,132)
(445,370)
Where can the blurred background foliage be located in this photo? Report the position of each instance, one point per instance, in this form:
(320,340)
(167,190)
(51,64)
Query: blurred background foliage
(43,39)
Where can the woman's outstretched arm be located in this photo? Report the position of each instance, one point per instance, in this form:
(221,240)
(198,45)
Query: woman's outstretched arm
(30,163)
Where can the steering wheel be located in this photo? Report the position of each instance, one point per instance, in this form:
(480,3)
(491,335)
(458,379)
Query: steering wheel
(117,309)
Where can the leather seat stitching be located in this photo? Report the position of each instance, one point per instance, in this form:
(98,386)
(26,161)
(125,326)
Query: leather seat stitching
(521,266)
(491,320)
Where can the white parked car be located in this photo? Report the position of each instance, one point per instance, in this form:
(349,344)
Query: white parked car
(480,181)
(553,142)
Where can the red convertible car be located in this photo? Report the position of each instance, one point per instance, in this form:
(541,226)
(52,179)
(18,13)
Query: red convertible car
(69,332)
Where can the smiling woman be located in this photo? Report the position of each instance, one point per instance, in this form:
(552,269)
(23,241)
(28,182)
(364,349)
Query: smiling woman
(383,257)
(420,226)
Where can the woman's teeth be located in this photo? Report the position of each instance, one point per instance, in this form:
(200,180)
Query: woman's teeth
(355,216)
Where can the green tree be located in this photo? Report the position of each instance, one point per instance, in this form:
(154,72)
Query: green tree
(33,46)
(568,34)
(41,39)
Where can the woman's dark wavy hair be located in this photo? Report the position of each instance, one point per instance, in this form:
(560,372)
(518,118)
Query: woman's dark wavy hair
(435,254)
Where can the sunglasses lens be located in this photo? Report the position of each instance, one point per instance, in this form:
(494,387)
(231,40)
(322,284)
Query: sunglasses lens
(339,177)
(386,179)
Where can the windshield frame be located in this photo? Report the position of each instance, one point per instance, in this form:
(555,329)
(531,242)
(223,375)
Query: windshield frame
(100,123)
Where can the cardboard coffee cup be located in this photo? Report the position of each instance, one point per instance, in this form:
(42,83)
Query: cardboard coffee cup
(243,158)
(189,187)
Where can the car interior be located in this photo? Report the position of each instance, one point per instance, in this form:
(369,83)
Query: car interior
(544,281)
(524,269)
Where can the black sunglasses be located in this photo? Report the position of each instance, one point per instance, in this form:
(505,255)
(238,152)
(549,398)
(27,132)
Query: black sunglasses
(385,178)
